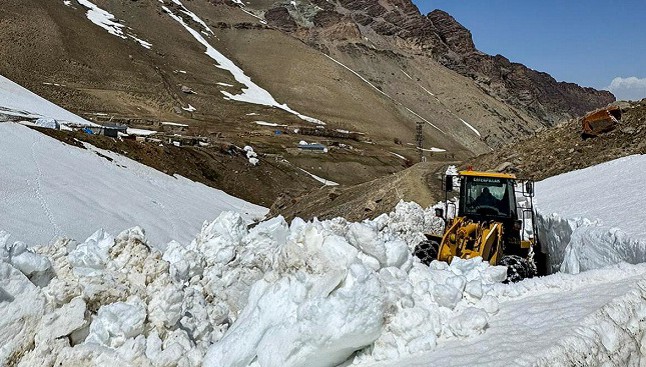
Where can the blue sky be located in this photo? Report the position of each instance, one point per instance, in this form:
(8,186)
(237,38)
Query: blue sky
(588,42)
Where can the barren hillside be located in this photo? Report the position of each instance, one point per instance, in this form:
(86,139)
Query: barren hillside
(562,149)
(353,75)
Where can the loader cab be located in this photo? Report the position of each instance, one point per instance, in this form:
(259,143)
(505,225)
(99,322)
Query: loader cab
(487,196)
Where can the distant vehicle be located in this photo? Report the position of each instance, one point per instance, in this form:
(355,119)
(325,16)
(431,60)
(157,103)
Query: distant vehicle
(490,224)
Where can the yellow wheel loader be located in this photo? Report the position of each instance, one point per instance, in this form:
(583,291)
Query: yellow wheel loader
(490,223)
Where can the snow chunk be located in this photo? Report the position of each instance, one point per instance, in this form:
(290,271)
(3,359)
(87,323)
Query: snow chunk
(251,155)
(470,322)
(117,322)
(90,257)
(63,321)
(27,261)
(21,305)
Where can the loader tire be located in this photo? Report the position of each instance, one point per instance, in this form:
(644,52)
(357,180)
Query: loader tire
(426,251)
(517,268)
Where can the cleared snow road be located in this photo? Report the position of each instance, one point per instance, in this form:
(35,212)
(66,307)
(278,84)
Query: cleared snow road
(556,320)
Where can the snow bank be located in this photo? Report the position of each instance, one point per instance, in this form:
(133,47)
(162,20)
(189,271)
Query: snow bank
(300,295)
(591,218)
(52,189)
(303,294)
(591,319)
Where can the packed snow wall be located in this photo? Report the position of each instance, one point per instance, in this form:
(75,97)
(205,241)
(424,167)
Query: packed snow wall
(593,217)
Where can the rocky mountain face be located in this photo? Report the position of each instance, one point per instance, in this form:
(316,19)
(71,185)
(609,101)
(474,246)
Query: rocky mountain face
(514,83)
(439,36)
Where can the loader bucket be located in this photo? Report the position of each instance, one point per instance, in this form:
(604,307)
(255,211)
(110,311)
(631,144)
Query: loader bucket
(600,121)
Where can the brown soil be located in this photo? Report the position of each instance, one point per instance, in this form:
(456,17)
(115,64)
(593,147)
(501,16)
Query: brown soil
(562,149)
(420,183)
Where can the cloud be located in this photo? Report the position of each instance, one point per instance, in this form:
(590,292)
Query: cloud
(631,88)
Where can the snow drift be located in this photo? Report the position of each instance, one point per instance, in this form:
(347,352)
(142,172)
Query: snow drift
(594,217)
(303,294)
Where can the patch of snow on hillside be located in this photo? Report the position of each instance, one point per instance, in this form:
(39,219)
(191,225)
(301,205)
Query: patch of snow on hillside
(251,155)
(589,219)
(470,126)
(261,20)
(193,16)
(321,180)
(398,156)
(265,123)
(102,18)
(425,120)
(432,150)
(405,73)
(51,189)
(143,43)
(140,132)
(251,93)
(358,75)
(107,21)
(189,108)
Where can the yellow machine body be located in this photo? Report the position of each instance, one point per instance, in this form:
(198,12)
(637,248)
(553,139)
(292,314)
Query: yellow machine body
(491,232)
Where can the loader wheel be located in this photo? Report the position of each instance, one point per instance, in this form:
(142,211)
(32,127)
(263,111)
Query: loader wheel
(427,251)
(517,268)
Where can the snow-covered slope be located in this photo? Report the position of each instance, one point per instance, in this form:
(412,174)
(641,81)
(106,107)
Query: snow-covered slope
(18,101)
(593,217)
(52,189)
